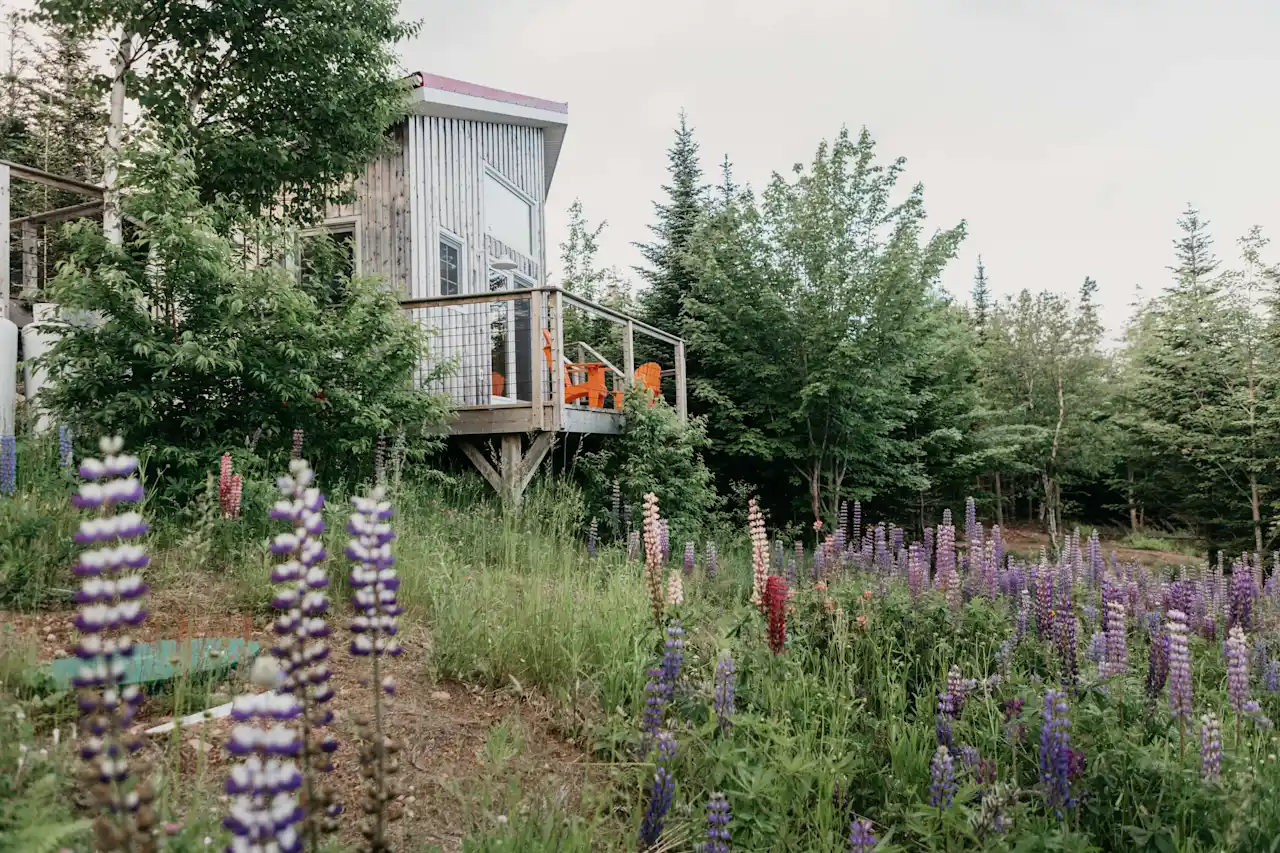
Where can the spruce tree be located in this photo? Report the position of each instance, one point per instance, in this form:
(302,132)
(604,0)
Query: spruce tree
(665,272)
(981,297)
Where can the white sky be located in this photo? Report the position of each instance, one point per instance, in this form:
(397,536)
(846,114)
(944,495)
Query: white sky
(1069,133)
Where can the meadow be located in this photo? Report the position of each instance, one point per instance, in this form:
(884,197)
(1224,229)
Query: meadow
(567,686)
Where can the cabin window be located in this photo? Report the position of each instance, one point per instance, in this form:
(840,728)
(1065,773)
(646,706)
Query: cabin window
(508,215)
(329,258)
(450,266)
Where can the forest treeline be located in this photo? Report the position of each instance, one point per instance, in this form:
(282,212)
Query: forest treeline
(830,365)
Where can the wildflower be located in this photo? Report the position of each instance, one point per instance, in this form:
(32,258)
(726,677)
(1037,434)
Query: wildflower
(1055,743)
(1117,652)
(861,621)
(296,451)
(380,462)
(66,455)
(861,838)
(775,600)
(8,464)
(759,553)
(725,685)
(374,597)
(946,714)
(592,533)
(712,560)
(263,784)
(915,570)
(633,545)
(1158,662)
(947,578)
(662,792)
(942,785)
(718,818)
(655,705)
(688,558)
(230,489)
(675,590)
(300,646)
(1098,649)
(653,555)
(111,598)
(1236,650)
(664,538)
(1179,666)
(615,508)
(1210,747)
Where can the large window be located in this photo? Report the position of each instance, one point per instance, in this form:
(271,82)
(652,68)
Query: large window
(450,266)
(508,215)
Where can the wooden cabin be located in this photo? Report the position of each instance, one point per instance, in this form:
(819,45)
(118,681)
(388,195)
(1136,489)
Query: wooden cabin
(454,218)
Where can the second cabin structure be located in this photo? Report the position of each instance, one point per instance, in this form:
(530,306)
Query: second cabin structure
(454,218)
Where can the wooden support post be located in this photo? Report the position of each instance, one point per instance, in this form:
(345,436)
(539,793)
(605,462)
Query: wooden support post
(515,468)
(536,358)
(557,361)
(30,261)
(682,402)
(4,241)
(509,468)
(629,353)
(483,465)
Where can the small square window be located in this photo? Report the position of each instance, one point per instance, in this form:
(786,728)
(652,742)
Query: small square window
(450,267)
(330,267)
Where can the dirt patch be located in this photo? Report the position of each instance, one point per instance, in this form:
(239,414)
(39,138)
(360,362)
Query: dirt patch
(1027,543)
(470,758)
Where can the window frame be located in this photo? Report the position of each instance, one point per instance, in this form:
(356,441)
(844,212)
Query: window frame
(336,224)
(491,172)
(443,236)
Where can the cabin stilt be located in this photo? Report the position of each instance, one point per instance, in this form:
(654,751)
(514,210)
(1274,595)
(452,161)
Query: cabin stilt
(516,466)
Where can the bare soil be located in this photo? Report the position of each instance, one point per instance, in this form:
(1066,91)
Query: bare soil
(1028,542)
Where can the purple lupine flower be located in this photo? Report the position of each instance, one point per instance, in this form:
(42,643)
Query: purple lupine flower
(1095,557)
(881,548)
(1097,651)
(946,713)
(655,706)
(662,792)
(861,838)
(718,818)
(593,533)
(1055,760)
(1117,650)
(1243,593)
(263,784)
(1066,637)
(112,603)
(633,545)
(664,539)
(1158,662)
(942,779)
(1024,611)
(857,521)
(1179,666)
(380,462)
(375,589)
(915,570)
(946,577)
(712,560)
(66,453)
(615,509)
(300,647)
(1271,678)
(1043,582)
(725,686)
(8,465)
(1013,726)
(970,518)
(673,656)
(688,558)
(1210,747)
(1236,651)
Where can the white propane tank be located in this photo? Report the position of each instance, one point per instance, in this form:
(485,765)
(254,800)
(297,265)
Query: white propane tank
(8,376)
(38,337)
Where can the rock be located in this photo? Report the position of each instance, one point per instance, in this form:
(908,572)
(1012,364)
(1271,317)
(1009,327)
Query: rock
(439,696)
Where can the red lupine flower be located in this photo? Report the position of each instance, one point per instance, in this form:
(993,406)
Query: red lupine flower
(775,601)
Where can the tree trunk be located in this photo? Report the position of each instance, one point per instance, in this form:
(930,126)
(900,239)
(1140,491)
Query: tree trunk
(111,215)
(815,490)
(1133,508)
(999,502)
(1256,505)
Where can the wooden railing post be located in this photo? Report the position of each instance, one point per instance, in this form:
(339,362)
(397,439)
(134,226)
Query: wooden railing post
(682,402)
(629,353)
(536,358)
(30,261)
(557,360)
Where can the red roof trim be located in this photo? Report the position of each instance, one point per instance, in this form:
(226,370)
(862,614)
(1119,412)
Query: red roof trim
(422,80)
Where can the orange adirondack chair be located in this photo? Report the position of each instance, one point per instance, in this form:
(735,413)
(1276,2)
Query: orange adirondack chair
(591,386)
(648,377)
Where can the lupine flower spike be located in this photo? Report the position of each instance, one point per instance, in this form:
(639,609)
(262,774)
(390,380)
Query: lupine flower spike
(653,556)
(66,453)
(718,818)
(1210,747)
(1179,673)
(662,792)
(675,590)
(861,838)
(1055,752)
(374,592)
(1236,650)
(725,685)
(759,553)
(775,602)
(942,785)
(301,631)
(111,598)
(8,464)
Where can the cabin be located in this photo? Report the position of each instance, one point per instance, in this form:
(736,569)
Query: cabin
(453,218)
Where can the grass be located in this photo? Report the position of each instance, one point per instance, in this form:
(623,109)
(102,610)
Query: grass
(842,724)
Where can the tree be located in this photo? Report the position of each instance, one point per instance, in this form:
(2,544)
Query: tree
(807,315)
(582,276)
(278,101)
(668,280)
(981,297)
(197,353)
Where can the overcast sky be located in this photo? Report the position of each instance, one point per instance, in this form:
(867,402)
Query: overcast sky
(1070,134)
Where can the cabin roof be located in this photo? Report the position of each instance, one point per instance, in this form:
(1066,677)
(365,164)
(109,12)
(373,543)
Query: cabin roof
(434,95)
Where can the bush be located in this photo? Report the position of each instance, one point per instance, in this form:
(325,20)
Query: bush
(195,352)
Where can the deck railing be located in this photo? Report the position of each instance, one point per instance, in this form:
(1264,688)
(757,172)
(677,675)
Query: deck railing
(509,350)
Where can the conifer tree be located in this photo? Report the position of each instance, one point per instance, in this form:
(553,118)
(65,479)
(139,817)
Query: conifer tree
(981,297)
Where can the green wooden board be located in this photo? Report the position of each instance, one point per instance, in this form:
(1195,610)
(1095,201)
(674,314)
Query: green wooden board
(155,663)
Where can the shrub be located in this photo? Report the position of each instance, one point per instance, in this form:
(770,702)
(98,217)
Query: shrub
(190,351)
